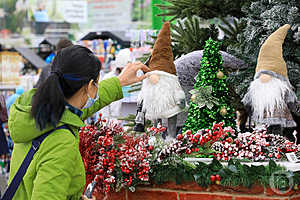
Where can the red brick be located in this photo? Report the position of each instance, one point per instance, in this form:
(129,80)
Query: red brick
(260,198)
(255,189)
(270,192)
(187,186)
(297,192)
(295,197)
(113,196)
(151,195)
(187,196)
(216,188)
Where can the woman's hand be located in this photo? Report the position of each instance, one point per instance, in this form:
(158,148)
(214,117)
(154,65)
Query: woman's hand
(128,75)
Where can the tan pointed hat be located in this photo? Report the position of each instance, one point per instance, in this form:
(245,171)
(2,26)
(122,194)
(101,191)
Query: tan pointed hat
(270,55)
(162,56)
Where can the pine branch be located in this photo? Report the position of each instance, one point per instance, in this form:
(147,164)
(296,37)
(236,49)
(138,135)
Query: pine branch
(206,9)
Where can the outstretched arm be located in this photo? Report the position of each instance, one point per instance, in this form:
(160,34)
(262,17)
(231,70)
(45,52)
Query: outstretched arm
(110,89)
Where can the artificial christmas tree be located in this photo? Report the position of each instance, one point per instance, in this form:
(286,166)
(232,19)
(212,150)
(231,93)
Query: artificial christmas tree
(210,101)
(205,9)
(193,16)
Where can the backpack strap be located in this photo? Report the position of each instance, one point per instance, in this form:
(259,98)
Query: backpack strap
(13,186)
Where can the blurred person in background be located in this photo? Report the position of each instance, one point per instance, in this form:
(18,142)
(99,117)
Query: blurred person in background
(3,141)
(41,19)
(113,111)
(11,99)
(62,43)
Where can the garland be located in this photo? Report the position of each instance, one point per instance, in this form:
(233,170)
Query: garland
(235,174)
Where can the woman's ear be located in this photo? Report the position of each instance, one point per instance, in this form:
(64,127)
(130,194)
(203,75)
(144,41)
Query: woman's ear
(90,86)
(92,89)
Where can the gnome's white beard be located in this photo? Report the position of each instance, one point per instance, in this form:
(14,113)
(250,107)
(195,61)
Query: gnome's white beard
(160,100)
(265,98)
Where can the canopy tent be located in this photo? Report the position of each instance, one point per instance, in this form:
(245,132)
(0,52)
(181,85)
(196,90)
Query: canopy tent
(31,56)
(118,36)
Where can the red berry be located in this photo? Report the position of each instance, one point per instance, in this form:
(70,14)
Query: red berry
(278,156)
(163,129)
(188,151)
(179,137)
(270,155)
(212,178)
(218,177)
(229,140)
(150,148)
(188,132)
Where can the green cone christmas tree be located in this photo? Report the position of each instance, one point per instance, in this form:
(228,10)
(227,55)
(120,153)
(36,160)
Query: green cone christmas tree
(210,102)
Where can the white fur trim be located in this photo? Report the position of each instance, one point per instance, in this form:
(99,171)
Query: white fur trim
(162,73)
(160,100)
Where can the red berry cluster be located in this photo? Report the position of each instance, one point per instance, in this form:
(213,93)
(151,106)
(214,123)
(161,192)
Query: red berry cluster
(255,146)
(189,143)
(113,158)
(207,136)
(99,153)
(215,179)
(134,157)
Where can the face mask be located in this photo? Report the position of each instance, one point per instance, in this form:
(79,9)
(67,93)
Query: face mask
(90,100)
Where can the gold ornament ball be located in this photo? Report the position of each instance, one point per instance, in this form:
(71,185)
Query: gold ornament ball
(223,111)
(193,98)
(220,75)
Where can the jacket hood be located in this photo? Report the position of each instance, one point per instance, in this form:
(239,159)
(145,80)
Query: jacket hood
(22,126)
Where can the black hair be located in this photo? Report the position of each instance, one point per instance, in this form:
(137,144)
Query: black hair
(72,68)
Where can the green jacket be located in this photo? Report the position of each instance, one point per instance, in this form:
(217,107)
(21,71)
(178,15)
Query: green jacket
(56,171)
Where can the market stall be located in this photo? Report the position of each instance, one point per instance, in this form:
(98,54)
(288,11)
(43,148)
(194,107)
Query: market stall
(19,66)
(213,156)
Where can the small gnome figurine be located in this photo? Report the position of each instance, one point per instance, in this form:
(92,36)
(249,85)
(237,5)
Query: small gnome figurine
(161,95)
(271,99)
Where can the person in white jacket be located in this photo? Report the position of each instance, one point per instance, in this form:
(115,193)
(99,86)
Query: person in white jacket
(113,111)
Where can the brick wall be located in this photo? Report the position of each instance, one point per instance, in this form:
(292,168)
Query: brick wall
(191,191)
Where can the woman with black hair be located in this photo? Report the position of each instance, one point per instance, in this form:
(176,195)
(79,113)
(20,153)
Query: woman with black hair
(69,95)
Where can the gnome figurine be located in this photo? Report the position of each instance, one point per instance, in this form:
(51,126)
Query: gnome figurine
(162,96)
(271,99)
